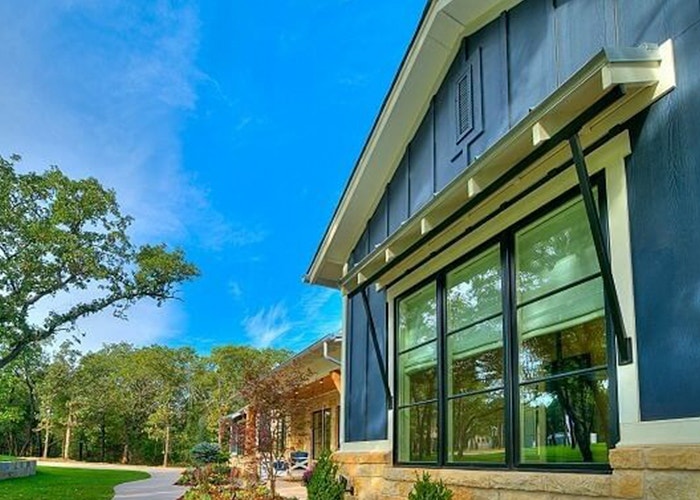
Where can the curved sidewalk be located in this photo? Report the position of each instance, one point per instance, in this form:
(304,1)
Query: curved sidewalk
(160,486)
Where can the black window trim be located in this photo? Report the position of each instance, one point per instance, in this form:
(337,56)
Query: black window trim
(504,242)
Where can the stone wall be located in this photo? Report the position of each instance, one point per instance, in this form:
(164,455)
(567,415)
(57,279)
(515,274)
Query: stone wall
(18,468)
(658,472)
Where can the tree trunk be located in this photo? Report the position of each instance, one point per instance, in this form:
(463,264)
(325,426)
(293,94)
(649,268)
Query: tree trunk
(66,441)
(166,451)
(102,439)
(125,453)
(45,454)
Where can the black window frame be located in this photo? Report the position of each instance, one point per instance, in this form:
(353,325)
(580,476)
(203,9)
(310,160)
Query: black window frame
(505,241)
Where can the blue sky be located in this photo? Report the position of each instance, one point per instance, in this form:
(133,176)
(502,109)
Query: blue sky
(227,128)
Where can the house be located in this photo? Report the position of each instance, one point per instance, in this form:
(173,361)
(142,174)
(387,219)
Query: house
(314,427)
(517,247)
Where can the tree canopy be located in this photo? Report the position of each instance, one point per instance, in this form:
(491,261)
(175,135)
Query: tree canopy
(65,238)
(122,403)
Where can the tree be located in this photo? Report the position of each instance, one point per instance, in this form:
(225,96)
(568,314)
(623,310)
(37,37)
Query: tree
(64,238)
(272,398)
(224,379)
(60,403)
(170,371)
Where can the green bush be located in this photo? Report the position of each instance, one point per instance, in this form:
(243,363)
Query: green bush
(207,453)
(324,483)
(427,489)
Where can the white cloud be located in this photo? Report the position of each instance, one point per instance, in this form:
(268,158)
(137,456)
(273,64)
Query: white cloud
(267,325)
(102,88)
(318,314)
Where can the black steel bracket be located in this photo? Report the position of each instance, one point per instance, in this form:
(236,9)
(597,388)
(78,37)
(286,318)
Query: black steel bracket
(624,343)
(377,352)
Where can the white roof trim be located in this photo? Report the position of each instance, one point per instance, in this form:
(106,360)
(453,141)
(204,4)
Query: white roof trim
(437,40)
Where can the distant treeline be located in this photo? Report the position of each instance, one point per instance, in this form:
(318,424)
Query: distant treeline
(146,405)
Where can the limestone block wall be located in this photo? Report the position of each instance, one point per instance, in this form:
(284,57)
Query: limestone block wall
(654,472)
(18,468)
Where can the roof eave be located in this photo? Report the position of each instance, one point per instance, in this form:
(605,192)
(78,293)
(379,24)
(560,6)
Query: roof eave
(434,44)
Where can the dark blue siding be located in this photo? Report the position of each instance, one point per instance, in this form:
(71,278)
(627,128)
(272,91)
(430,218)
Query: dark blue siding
(420,165)
(644,21)
(489,45)
(378,224)
(664,200)
(582,29)
(365,402)
(448,163)
(376,427)
(518,60)
(356,383)
(398,196)
(531,60)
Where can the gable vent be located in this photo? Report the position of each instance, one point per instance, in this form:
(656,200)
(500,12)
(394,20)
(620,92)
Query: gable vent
(464,104)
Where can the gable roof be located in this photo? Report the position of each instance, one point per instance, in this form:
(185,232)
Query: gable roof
(434,45)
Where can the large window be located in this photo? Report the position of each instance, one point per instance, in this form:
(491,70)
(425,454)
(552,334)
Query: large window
(503,360)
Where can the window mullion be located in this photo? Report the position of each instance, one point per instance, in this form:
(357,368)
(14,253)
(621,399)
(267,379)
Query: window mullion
(510,348)
(442,369)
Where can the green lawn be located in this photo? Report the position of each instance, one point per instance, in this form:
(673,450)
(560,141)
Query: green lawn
(7,458)
(58,483)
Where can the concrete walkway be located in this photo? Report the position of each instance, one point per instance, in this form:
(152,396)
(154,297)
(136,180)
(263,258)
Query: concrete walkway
(291,489)
(160,486)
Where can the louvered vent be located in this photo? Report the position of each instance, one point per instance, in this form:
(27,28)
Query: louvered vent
(464,104)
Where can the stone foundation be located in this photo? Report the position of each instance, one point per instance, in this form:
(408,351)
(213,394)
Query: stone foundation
(658,472)
(19,468)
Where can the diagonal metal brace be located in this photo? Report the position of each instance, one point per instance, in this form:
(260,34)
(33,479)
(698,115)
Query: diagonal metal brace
(377,352)
(624,343)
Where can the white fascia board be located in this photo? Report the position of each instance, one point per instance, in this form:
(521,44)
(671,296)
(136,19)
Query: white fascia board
(424,67)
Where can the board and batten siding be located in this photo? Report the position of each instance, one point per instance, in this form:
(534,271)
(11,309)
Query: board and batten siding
(514,63)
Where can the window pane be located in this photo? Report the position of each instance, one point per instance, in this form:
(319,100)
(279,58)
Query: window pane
(476,428)
(563,332)
(417,318)
(554,251)
(475,357)
(418,434)
(565,420)
(327,429)
(474,290)
(321,431)
(418,374)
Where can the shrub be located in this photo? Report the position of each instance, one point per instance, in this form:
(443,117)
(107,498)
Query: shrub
(427,489)
(207,453)
(209,474)
(324,483)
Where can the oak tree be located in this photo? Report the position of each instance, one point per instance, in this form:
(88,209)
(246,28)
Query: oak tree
(63,239)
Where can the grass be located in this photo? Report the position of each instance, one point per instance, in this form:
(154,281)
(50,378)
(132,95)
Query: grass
(7,458)
(563,453)
(546,454)
(55,483)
